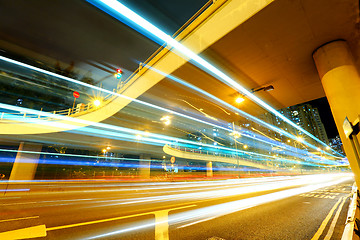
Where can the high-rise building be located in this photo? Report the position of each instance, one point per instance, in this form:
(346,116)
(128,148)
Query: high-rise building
(305,116)
(336,144)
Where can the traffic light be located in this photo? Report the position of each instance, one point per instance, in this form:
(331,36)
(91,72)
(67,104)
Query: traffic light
(118,73)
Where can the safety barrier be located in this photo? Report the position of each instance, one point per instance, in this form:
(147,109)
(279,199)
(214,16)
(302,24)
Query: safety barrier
(349,230)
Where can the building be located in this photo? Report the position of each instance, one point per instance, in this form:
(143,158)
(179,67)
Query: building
(305,116)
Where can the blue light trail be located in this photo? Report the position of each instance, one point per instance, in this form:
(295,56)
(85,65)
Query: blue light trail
(121,12)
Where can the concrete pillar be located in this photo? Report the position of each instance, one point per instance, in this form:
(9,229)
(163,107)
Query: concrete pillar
(144,168)
(341,82)
(209,169)
(24,167)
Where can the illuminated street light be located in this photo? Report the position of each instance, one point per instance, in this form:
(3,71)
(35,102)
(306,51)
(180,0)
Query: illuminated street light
(300,139)
(164,156)
(104,150)
(235,134)
(166,120)
(97,102)
(245,146)
(108,148)
(239,100)
(327,148)
(288,141)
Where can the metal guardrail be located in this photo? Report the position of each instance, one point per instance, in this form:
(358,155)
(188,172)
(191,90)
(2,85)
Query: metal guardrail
(215,154)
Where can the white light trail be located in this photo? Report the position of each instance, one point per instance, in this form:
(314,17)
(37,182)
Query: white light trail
(65,126)
(242,113)
(122,133)
(118,10)
(208,213)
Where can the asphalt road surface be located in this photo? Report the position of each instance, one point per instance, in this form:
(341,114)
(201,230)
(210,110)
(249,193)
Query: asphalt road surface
(298,207)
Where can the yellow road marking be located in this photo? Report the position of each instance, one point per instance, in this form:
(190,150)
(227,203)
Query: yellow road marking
(14,219)
(111,219)
(326,220)
(25,233)
(161,225)
(333,223)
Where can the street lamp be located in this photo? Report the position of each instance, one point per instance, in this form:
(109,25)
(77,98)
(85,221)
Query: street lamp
(239,100)
(265,89)
(166,120)
(97,102)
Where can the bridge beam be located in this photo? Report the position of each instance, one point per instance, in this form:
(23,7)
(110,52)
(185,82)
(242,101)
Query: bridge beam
(341,82)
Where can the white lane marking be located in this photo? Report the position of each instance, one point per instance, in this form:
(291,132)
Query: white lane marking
(334,221)
(25,233)
(15,219)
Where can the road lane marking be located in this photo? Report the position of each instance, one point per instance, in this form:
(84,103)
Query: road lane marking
(334,221)
(326,220)
(161,225)
(25,233)
(111,219)
(15,219)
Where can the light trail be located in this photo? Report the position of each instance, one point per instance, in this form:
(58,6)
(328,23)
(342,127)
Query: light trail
(120,11)
(207,213)
(103,90)
(137,165)
(206,194)
(130,134)
(240,112)
(96,88)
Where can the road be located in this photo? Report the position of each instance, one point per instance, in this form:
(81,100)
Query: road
(300,207)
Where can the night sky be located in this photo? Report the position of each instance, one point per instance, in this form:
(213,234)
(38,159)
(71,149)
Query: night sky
(326,116)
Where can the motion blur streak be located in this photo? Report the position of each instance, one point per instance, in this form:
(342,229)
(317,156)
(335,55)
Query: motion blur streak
(115,8)
(232,191)
(207,213)
(40,113)
(152,139)
(230,207)
(242,113)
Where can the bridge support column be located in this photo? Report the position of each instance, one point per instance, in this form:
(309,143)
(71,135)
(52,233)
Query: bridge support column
(341,82)
(25,164)
(209,169)
(144,168)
